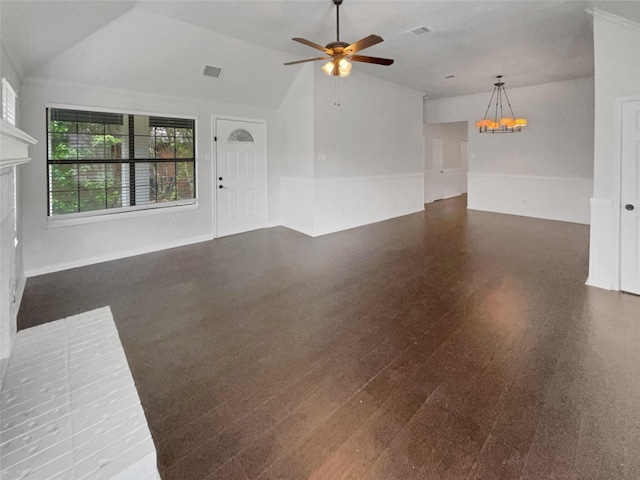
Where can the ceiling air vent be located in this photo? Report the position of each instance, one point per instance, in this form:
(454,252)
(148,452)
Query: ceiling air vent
(210,71)
(419,31)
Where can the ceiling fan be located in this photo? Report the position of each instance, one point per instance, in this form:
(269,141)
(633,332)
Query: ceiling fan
(342,52)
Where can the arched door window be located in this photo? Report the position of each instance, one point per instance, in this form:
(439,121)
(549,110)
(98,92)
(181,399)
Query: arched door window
(240,135)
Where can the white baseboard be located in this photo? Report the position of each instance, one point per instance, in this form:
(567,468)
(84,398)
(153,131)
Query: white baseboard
(552,198)
(115,256)
(300,228)
(592,282)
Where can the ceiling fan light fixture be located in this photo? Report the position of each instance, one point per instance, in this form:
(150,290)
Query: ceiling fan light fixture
(344,67)
(328,67)
(342,52)
(500,123)
(338,68)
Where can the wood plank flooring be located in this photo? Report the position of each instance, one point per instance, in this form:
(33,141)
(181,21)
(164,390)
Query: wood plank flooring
(447,344)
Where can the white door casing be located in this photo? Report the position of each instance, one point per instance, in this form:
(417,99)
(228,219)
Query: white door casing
(241,176)
(464,161)
(630,198)
(438,166)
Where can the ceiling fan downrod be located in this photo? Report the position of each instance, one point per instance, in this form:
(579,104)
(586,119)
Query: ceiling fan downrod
(337,3)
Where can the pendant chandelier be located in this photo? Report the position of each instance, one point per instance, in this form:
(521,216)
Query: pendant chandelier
(500,123)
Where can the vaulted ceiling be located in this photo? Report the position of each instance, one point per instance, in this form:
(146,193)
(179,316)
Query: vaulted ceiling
(162,47)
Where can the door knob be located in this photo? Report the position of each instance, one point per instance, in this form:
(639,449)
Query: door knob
(221,186)
(629,207)
(219,178)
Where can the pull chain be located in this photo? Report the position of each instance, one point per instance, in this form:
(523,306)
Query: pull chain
(336,100)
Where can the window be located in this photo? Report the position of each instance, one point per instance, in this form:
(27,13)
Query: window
(240,135)
(8,102)
(100,162)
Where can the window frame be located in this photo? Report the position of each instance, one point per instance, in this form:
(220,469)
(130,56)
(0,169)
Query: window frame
(101,215)
(9,99)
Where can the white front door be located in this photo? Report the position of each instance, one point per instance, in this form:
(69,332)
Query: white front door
(630,199)
(241,176)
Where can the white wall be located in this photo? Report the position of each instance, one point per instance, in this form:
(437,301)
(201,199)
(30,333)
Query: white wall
(368,151)
(617,75)
(49,249)
(448,179)
(352,164)
(296,182)
(550,160)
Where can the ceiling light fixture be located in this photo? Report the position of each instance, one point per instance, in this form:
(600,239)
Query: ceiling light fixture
(343,67)
(500,123)
(342,53)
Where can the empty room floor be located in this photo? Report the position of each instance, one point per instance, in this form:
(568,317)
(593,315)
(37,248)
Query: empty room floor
(447,344)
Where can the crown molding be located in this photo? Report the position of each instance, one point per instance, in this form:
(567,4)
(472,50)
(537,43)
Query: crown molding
(613,18)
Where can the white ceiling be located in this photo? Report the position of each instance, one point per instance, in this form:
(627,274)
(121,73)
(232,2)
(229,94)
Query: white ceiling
(162,46)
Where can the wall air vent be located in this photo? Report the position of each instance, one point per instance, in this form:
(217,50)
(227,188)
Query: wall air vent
(419,31)
(210,71)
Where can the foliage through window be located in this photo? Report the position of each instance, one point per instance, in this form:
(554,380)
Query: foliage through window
(99,161)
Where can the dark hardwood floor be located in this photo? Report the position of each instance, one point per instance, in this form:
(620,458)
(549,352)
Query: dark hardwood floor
(448,344)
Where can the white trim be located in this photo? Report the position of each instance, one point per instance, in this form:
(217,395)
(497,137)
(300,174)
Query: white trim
(613,18)
(15,133)
(305,231)
(124,111)
(600,202)
(12,162)
(591,282)
(115,256)
(214,169)
(333,181)
(373,178)
(531,177)
(617,187)
(14,145)
(298,180)
(107,215)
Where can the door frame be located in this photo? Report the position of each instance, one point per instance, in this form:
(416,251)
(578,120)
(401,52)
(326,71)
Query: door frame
(617,186)
(214,169)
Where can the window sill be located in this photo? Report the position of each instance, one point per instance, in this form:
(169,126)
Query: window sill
(106,217)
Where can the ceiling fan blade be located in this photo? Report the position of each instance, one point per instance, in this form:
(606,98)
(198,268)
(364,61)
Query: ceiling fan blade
(307,60)
(376,60)
(311,44)
(364,43)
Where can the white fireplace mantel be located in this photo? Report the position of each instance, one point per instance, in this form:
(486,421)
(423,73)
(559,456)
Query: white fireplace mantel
(14,145)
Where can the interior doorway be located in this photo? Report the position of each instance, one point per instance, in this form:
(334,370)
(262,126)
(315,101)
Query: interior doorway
(445,160)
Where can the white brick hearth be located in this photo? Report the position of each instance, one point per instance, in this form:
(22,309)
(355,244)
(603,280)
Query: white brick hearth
(69,407)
